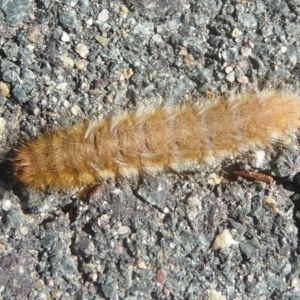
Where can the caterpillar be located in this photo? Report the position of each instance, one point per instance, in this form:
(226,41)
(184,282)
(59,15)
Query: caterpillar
(156,140)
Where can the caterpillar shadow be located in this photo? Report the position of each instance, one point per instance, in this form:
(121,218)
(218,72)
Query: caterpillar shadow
(7,180)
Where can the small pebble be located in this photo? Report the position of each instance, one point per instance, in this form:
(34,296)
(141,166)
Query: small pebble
(214,295)
(128,73)
(246,51)
(80,64)
(103,16)
(243,65)
(157,38)
(161,275)
(228,70)
(251,44)
(62,86)
(56,293)
(42,296)
(4,89)
(68,19)
(267,31)
(65,37)
(166,292)
(33,34)
(242,79)
(236,33)
(101,39)
(257,159)
(141,264)
(2,125)
(188,60)
(290,228)
(15,11)
(24,230)
(6,204)
(75,110)
(89,22)
(230,77)
(124,9)
(269,201)
(68,61)
(183,52)
(124,230)
(19,94)
(283,49)
(224,240)
(82,50)
(39,283)
(119,249)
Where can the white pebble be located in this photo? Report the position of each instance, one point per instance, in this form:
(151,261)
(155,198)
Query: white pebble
(103,16)
(257,159)
(236,33)
(62,86)
(42,296)
(24,230)
(230,77)
(124,230)
(68,61)
(212,294)
(89,22)
(283,49)
(242,79)
(82,50)
(2,125)
(66,104)
(269,201)
(157,38)
(65,37)
(166,210)
(223,240)
(141,265)
(75,109)
(228,70)
(290,228)
(6,205)
(246,51)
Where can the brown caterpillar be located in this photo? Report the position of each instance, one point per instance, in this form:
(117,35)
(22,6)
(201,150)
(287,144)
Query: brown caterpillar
(157,140)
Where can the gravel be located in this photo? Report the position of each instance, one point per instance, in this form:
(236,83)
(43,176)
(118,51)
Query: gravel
(201,235)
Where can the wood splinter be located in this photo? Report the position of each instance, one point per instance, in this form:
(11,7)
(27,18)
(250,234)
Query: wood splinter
(254,176)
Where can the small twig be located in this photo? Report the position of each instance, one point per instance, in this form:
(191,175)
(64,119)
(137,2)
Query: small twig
(254,176)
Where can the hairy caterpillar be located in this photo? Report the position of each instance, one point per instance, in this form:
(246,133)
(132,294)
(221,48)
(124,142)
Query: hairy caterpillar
(157,140)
